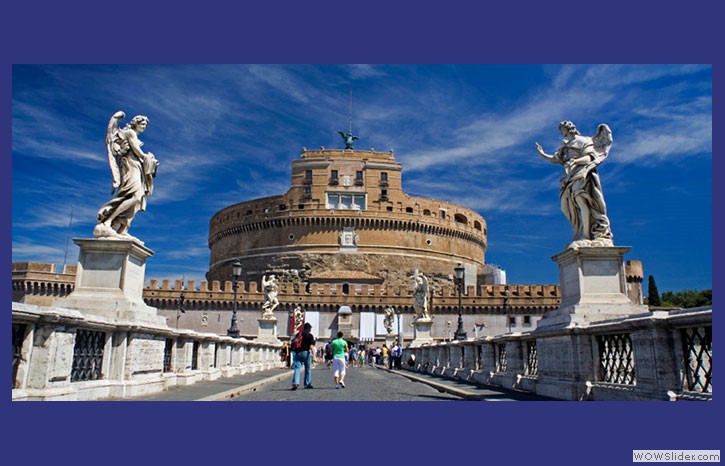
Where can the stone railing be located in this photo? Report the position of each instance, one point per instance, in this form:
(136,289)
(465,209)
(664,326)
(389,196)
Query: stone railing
(64,354)
(655,356)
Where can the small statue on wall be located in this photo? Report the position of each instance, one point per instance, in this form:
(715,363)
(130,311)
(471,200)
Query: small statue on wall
(421,295)
(298,318)
(271,290)
(389,319)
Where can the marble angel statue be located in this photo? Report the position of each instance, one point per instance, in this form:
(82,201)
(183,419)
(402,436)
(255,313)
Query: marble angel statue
(271,289)
(420,295)
(389,319)
(133,172)
(581,196)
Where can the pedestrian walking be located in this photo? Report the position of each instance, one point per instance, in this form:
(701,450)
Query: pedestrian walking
(304,355)
(339,351)
(353,356)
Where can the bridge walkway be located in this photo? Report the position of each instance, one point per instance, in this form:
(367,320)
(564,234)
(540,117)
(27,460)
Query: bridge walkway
(363,384)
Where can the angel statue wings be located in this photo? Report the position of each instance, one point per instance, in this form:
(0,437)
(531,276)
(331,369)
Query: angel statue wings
(133,172)
(348,138)
(581,196)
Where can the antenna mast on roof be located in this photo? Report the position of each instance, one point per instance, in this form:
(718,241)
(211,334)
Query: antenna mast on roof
(348,138)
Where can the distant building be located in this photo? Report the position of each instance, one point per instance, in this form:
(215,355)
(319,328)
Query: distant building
(346,219)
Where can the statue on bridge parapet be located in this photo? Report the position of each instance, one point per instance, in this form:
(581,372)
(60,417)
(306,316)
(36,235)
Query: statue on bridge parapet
(133,172)
(581,196)
(271,290)
(298,318)
(421,296)
(389,319)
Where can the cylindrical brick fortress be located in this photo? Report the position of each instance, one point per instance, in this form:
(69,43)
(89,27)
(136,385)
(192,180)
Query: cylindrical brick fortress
(345,216)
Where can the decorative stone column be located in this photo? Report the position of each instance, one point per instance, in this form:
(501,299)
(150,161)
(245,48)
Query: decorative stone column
(422,332)
(110,281)
(267,329)
(593,287)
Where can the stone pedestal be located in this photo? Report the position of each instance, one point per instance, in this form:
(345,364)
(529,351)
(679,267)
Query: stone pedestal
(110,281)
(422,332)
(593,287)
(267,330)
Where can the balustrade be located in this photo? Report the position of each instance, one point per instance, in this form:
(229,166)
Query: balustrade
(659,356)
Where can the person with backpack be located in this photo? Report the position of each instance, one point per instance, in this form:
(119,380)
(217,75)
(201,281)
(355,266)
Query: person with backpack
(339,351)
(303,347)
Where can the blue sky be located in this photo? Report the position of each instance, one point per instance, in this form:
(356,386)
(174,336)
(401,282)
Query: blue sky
(464,134)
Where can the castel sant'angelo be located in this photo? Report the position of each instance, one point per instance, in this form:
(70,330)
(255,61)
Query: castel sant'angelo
(343,243)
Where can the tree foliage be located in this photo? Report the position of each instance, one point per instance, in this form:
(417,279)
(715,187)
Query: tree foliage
(686,298)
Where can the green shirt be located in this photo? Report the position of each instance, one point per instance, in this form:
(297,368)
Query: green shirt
(339,348)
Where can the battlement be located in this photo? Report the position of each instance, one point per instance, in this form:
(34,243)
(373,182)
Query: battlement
(373,291)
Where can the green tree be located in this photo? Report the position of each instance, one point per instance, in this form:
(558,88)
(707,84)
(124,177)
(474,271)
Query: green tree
(687,298)
(653,297)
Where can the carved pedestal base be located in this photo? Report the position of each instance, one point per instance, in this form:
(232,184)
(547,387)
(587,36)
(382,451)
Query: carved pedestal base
(267,330)
(110,281)
(422,332)
(593,287)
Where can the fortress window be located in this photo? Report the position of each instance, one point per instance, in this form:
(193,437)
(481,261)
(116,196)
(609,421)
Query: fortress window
(308,192)
(383,194)
(308,176)
(345,288)
(282,207)
(333,177)
(459,218)
(383,176)
(428,242)
(346,201)
(389,208)
(291,236)
(426,212)
(443,214)
(409,210)
(359,178)
(527,321)
(477,225)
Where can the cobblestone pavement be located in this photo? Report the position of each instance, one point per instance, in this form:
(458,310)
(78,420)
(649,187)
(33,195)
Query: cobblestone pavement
(362,384)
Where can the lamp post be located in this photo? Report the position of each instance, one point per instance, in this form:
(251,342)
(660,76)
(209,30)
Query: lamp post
(505,306)
(460,280)
(233,331)
(399,312)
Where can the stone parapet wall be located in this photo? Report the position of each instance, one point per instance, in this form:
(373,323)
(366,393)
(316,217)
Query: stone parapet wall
(65,354)
(654,356)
